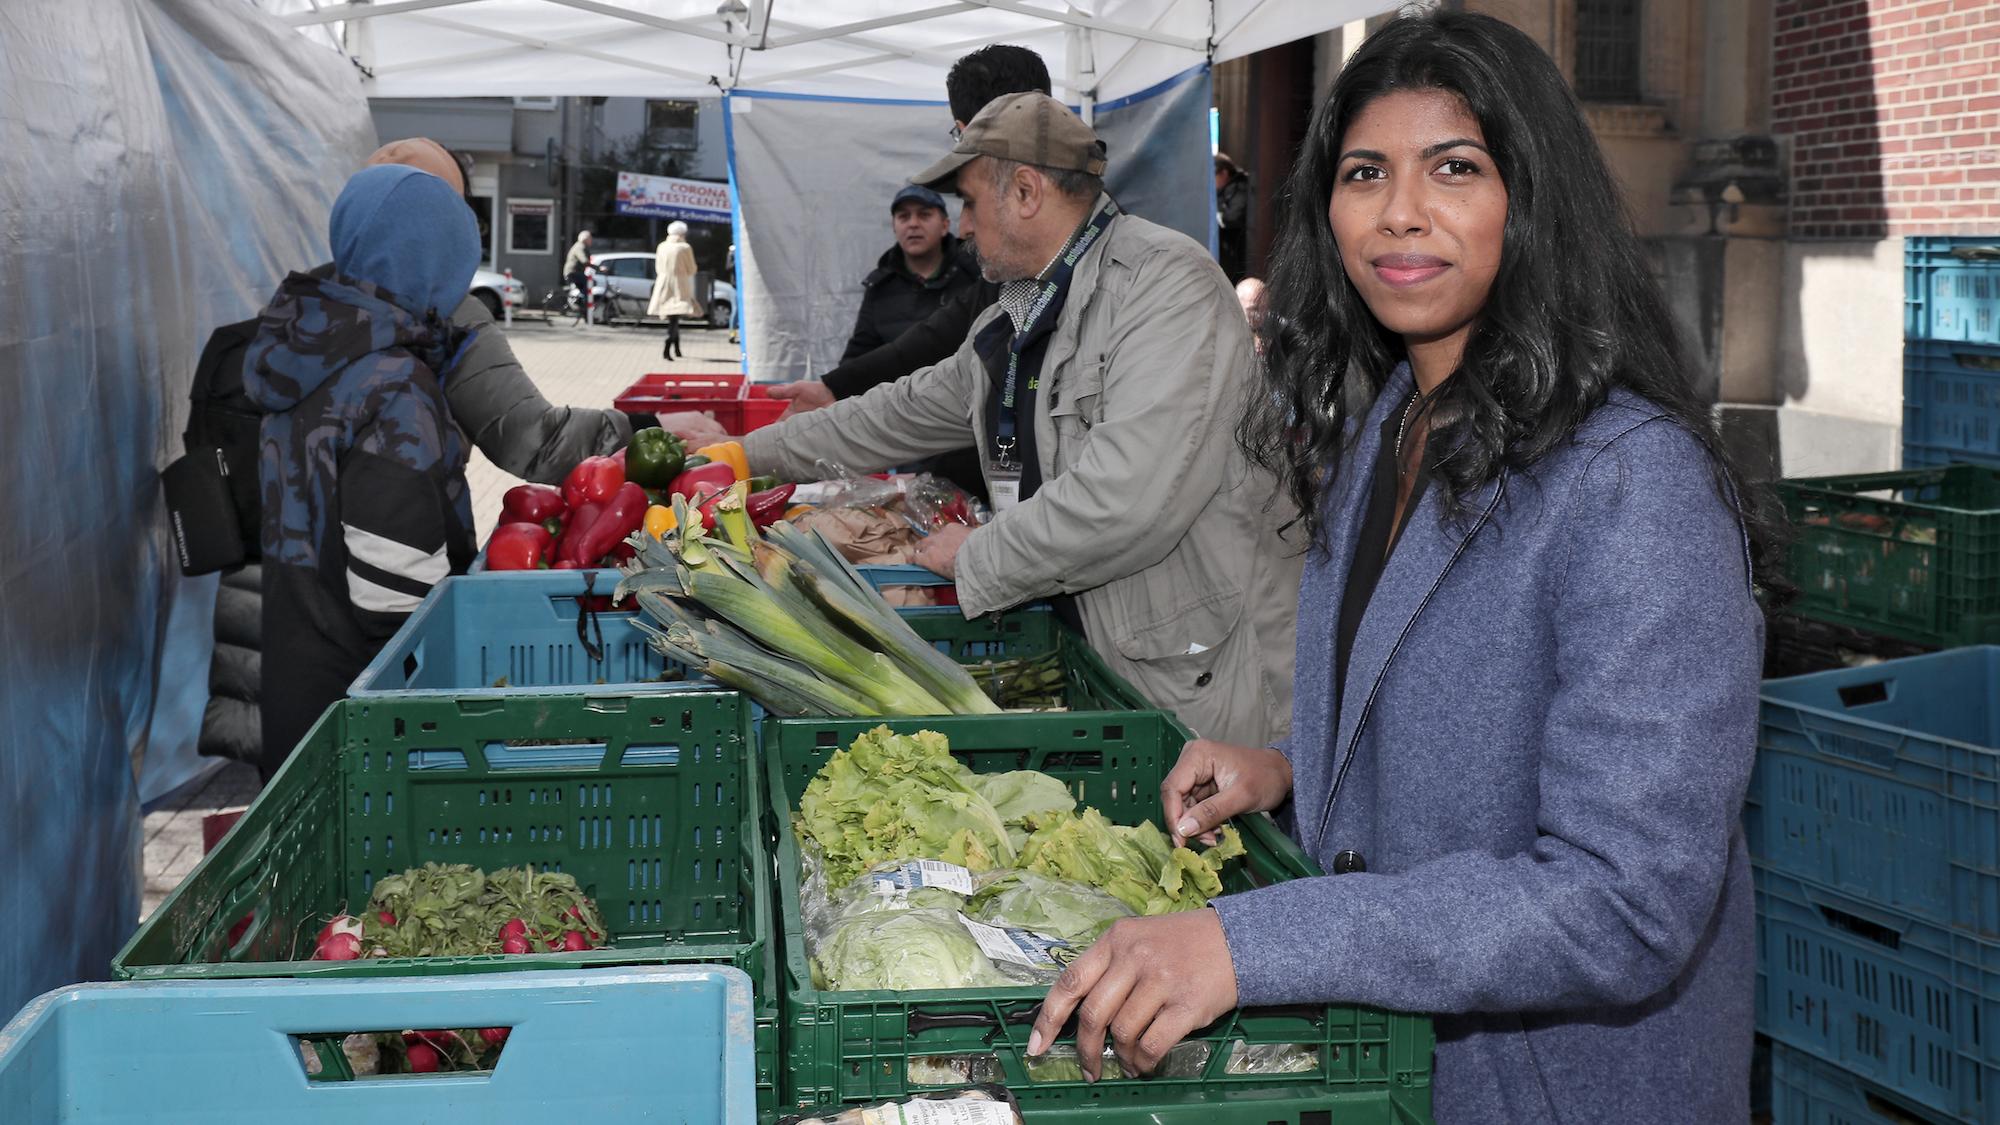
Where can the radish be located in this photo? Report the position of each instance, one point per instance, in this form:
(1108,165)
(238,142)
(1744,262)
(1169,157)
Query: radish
(574,942)
(515,928)
(514,945)
(423,1058)
(339,924)
(338,947)
(494,1036)
(387,918)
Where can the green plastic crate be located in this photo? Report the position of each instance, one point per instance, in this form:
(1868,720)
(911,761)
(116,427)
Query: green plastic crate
(1089,683)
(1913,555)
(854,1047)
(650,801)
(1128,1103)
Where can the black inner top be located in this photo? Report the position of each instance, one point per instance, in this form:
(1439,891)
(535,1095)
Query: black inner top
(1380,532)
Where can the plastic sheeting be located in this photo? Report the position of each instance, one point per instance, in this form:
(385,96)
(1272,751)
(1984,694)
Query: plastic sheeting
(1104,49)
(162,164)
(814,177)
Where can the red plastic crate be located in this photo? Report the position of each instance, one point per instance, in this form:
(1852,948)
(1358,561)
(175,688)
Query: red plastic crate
(663,391)
(759,409)
(736,405)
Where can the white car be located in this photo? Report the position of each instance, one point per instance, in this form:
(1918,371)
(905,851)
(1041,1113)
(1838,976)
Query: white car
(493,288)
(630,274)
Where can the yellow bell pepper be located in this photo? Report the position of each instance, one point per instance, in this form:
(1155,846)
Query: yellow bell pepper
(728,453)
(659,520)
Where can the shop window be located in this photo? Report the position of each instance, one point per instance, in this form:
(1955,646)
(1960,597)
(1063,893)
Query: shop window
(671,124)
(530,226)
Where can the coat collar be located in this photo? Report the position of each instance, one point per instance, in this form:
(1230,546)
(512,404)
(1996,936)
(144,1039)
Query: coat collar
(1422,557)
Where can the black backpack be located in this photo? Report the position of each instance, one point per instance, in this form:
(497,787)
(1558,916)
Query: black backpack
(213,505)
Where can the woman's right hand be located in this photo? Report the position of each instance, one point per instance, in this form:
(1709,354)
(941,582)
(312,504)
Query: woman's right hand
(1215,781)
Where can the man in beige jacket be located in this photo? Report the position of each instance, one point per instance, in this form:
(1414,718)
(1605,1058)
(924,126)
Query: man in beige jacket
(1103,392)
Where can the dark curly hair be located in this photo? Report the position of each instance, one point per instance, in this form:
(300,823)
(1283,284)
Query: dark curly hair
(1573,312)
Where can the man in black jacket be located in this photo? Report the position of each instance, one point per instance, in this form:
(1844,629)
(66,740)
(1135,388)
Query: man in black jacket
(974,80)
(924,270)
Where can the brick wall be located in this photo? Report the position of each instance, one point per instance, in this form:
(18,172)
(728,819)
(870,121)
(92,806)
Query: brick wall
(1892,108)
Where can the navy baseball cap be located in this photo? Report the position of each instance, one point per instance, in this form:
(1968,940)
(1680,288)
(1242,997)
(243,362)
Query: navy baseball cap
(921,194)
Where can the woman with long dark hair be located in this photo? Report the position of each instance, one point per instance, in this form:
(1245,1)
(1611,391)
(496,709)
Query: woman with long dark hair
(1529,637)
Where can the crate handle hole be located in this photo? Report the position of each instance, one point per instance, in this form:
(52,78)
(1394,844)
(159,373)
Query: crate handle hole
(325,1063)
(1863,695)
(1861,927)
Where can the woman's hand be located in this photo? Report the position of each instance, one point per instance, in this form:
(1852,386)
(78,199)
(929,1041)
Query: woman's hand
(1149,982)
(1215,781)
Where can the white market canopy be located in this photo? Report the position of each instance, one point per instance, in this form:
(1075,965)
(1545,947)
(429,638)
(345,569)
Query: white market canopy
(1097,50)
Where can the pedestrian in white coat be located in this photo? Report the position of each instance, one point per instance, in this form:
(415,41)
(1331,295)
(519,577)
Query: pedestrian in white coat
(673,285)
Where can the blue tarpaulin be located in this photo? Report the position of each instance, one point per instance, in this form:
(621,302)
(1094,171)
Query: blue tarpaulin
(163,163)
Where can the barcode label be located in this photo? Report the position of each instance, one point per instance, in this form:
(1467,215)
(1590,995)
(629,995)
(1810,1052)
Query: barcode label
(1019,947)
(929,1111)
(899,881)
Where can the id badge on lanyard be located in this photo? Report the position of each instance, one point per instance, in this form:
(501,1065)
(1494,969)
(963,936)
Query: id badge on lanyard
(1003,476)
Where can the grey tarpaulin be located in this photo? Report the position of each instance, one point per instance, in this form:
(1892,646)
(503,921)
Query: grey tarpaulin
(814,176)
(162,164)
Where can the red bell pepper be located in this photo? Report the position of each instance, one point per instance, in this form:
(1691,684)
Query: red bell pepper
(581,519)
(768,507)
(713,477)
(518,546)
(594,480)
(589,543)
(531,503)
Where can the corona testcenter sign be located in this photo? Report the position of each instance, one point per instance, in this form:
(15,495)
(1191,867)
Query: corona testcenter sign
(665,197)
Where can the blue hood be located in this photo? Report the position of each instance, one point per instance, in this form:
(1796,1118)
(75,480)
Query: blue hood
(408,234)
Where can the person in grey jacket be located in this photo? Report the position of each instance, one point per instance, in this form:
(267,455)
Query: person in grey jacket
(1529,640)
(1101,391)
(493,401)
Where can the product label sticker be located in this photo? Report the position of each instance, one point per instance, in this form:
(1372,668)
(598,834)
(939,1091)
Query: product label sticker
(898,882)
(1020,947)
(929,1111)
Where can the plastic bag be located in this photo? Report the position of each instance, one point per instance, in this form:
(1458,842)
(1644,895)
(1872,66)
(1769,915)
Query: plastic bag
(1271,1058)
(1061,1063)
(977,1105)
(904,950)
(884,889)
(1076,912)
(952,1070)
(934,502)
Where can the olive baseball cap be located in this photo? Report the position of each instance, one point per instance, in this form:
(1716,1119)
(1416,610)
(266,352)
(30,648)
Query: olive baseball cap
(1030,128)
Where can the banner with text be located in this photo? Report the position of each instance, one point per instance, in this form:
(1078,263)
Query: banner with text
(665,197)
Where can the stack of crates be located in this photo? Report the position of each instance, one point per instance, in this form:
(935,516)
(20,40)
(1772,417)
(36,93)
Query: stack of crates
(1951,350)
(1874,827)
(516,719)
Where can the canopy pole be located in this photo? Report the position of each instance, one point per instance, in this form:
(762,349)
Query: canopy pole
(358,38)
(1082,77)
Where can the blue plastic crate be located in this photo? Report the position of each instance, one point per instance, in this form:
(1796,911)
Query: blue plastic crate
(1806,1091)
(1951,402)
(513,632)
(1951,289)
(666,1045)
(1881,782)
(1901,1003)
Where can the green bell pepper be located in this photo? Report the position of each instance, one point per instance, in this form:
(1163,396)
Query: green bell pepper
(654,458)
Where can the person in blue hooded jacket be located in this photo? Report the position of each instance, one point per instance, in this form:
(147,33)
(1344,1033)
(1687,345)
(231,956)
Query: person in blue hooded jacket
(362,473)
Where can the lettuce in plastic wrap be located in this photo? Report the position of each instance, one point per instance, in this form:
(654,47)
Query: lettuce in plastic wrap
(903,951)
(1030,900)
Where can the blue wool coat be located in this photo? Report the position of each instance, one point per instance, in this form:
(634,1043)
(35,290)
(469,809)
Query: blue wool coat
(1541,754)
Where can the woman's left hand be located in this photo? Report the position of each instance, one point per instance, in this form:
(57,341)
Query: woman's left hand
(1149,982)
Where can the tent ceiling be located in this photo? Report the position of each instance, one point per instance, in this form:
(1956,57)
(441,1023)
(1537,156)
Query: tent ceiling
(1097,49)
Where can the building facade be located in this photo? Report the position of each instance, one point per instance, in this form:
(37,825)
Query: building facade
(1774,155)
(544,168)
